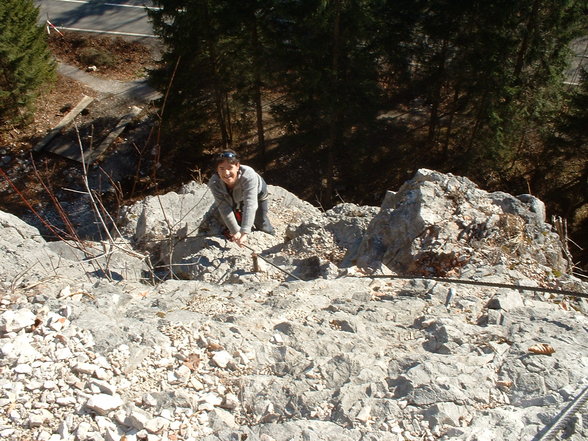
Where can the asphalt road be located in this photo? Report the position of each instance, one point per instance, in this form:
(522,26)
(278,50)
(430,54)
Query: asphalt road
(129,18)
(579,62)
(114,17)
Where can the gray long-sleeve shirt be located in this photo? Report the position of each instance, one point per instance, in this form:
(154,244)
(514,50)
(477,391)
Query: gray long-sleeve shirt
(244,195)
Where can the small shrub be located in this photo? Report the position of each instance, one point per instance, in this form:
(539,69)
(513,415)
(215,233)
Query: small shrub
(91,56)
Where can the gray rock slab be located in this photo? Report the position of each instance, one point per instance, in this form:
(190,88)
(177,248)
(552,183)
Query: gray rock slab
(340,356)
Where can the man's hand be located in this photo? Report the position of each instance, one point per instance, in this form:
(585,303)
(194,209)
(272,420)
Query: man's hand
(240,238)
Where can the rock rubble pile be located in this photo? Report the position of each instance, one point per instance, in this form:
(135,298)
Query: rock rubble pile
(171,335)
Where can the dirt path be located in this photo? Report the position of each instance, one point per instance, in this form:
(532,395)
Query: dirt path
(137,89)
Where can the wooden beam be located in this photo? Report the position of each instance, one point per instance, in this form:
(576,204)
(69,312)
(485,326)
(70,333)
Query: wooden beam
(67,119)
(92,155)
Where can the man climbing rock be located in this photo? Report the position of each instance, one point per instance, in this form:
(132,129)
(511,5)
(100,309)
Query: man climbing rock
(241,197)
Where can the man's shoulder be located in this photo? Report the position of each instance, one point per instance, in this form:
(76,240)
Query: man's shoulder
(247,169)
(214,179)
(248,172)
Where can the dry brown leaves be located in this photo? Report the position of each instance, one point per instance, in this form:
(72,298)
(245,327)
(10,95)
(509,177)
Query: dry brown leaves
(192,362)
(541,349)
(131,58)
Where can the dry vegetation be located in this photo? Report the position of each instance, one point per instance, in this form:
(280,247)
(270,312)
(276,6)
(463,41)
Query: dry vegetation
(115,59)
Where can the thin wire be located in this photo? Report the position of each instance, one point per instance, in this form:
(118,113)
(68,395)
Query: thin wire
(481,283)
(271,263)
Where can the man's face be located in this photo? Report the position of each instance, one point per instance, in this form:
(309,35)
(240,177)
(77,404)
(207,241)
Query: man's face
(228,173)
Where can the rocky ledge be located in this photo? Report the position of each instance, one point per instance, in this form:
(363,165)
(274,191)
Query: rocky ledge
(342,327)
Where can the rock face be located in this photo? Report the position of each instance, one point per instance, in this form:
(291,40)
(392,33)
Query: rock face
(321,346)
(22,249)
(436,224)
(26,258)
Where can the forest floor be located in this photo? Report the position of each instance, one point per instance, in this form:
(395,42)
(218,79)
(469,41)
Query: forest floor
(30,175)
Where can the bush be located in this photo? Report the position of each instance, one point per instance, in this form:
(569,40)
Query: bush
(91,56)
(26,65)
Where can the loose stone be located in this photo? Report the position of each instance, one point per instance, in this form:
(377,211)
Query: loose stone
(103,403)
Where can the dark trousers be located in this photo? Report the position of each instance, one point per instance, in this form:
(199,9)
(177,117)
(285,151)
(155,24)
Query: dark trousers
(262,222)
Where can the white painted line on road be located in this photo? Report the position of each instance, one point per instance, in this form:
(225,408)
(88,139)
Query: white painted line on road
(97,31)
(108,4)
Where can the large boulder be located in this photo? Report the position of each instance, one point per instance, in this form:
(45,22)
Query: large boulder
(435,225)
(308,244)
(110,260)
(183,234)
(155,222)
(24,255)
(438,223)
(26,258)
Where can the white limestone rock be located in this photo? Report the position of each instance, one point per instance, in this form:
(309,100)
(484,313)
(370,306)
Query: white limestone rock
(39,417)
(23,369)
(230,401)
(85,368)
(20,349)
(104,403)
(156,425)
(222,359)
(507,301)
(137,418)
(14,321)
(104,387)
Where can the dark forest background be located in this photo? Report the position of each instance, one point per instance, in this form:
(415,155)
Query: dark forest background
(343,99)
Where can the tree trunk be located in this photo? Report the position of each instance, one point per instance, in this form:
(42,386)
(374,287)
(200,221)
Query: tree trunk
(335,116)
(227,118)
(452,113)
(478,123)
(257,92)
(218,94)
(437,96)
(220,117)
(526,40)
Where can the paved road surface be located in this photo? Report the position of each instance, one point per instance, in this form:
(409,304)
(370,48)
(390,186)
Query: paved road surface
(128,17)
(115,17)
(579,62)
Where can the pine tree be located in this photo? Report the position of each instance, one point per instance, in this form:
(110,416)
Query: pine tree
(488,72)
(193,74)
(328,76)
(245,31)
(561,175)
(25,61)
(216,88)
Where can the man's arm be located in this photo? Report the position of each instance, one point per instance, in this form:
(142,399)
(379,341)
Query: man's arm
(250,187)
(224,204)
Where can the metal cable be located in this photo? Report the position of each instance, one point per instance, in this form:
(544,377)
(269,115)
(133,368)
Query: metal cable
(481,283)
(564,417)
(271,263)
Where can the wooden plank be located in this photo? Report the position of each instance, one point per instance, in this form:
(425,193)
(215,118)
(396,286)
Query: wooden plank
(66,120)
(66,148)
(92,155)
